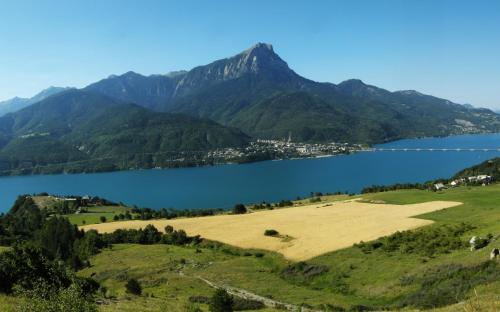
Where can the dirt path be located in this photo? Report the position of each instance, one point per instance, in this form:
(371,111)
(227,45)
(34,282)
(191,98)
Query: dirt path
(245,294)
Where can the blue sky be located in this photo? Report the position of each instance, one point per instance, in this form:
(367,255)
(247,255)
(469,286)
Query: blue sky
(450,49)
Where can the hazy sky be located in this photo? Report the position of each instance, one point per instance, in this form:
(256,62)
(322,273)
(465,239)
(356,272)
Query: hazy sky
(450,49)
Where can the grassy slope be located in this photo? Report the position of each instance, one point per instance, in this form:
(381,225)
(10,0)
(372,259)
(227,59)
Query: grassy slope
(167,281)
(370,278)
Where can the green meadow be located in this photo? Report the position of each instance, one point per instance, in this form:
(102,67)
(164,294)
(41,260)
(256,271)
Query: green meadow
(94,214)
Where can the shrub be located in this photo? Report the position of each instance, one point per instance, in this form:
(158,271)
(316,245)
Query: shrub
(303,271)
(315,199)
(240,304)
(102,219)
(133,287)
(169,229)
(221,301)
(45,299)
(271,232)
(239,209)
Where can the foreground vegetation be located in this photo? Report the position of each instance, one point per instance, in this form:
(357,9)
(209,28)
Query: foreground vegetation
(349,278)
(431,267)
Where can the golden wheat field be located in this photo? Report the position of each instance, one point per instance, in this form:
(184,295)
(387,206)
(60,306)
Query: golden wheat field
(305,231)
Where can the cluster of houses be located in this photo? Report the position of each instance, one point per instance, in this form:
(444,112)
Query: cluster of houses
(481,179)
(284,149)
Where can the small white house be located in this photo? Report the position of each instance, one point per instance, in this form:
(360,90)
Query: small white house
(438,186)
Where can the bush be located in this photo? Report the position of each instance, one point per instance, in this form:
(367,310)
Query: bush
(239,209)
(133,287)
(303,271)
(102,219)
(169,229)
(240,304)
(44,298)
(271,232)
(221,301)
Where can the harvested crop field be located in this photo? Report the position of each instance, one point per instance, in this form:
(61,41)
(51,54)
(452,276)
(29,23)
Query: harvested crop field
(305,231)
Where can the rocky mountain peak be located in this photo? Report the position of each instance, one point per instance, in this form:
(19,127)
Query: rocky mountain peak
(260,47)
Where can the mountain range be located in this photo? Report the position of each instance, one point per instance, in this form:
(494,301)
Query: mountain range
(253,94)
(18,103)
(257,92)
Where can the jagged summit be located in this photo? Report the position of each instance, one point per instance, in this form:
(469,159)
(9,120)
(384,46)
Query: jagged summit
(260,46)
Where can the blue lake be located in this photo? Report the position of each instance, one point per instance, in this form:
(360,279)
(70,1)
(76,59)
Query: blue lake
(223,186)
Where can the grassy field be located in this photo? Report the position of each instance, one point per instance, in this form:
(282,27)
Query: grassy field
(305,231)
(93,214)
(170,274)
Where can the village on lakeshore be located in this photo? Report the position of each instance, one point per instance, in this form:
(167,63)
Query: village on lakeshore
(481,179)
(282,149)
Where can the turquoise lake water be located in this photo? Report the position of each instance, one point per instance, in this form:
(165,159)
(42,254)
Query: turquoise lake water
(223,186)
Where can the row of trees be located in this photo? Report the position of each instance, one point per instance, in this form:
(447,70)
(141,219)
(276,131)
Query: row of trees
(149,235)
(397,186)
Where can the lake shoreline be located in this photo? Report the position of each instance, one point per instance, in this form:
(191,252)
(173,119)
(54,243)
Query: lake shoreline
(62,171)
(224,185)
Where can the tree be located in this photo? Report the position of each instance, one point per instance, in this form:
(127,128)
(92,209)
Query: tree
(133,287)
(151,234)
(128,216)
(89,245)
(24,218)
(116,218)
(25,265)
(239,209)
(103,219)
(221,301)
(169,229)
(57,237)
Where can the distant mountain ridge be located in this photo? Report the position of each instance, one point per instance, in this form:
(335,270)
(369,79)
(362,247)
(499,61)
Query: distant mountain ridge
(18,103)
(251,89)
(135,121)
(80,131)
